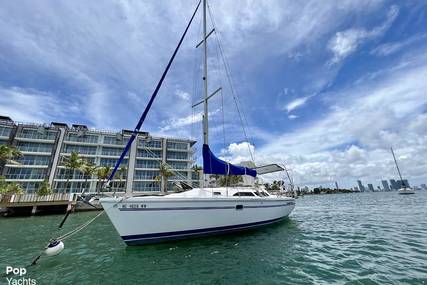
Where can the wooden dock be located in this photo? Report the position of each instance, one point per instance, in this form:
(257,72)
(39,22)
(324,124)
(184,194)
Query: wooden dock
(34,202)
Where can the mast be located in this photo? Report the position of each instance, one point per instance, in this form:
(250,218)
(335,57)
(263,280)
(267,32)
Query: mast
(398,170)
(205,77)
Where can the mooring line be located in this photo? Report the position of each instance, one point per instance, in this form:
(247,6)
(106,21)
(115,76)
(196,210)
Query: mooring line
(72,232)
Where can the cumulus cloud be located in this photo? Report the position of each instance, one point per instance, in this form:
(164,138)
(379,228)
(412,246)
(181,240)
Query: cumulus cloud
(353,140)
(346,42)
(238,152)
(183,95)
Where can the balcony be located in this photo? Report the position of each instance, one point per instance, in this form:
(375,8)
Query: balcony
(26,176)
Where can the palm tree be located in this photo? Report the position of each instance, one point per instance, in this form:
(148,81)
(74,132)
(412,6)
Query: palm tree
(9,188)
(198,170)
(44,188)
(72,163)
(229,180)
(88,168)
(103,173)
(8,153)
(164,173)
(122,172)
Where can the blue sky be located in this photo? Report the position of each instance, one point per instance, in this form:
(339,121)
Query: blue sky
(326,86)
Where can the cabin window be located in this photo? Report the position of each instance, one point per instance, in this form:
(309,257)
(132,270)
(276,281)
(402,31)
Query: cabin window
(239,207)
(217,193)
(244,194)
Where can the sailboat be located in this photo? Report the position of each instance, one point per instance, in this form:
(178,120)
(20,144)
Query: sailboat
(200,211)
(404,190)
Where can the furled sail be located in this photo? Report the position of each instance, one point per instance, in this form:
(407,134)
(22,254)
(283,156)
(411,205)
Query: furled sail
(214,165)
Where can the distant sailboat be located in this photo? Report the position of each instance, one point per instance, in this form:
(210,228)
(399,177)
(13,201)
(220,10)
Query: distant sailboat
(200,211)
(404,190)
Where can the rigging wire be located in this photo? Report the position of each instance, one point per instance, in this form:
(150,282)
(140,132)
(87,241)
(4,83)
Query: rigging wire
(241,114)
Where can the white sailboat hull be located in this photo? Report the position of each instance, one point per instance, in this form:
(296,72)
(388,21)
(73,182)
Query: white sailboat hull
(405,191)
(141,220)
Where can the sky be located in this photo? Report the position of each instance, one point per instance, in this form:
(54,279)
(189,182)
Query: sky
(324,87)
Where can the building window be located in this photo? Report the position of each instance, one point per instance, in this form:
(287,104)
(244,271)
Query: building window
(150,143)
(149,153)
(111,162)
(5,131)
(146,186)
(177,145)
(26,173)
(41,134)
(146,174)
(178,165)
(33,160)
(177,155)
(29,187)
(71,187)
(34,147)
(75,137)
(65,173)
(112,151)
(118,140)
(153,164)
(81,149)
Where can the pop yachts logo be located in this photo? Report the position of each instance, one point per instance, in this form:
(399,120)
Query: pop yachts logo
(16,276)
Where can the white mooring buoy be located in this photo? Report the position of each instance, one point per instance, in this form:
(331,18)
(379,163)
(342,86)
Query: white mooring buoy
(54,248)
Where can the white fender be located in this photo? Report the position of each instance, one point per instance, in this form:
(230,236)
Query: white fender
(54,248)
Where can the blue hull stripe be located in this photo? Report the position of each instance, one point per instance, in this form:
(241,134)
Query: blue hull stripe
(203,208)
(165,236)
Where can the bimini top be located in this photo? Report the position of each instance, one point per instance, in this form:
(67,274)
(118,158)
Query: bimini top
(214,165)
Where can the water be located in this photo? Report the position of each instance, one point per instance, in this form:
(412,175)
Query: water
(368,238)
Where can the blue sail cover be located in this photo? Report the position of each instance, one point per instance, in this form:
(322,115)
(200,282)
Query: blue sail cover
(214,165)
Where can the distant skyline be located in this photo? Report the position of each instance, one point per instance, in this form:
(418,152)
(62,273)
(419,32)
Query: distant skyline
(327,87)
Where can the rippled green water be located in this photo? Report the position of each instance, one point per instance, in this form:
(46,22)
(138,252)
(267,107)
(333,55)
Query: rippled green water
(369,238)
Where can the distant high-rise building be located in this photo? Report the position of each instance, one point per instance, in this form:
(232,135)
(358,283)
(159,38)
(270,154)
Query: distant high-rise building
(371,187)
(361,187)
(406,183)
(385,185)
(393,184)
(336,185)
(402,184)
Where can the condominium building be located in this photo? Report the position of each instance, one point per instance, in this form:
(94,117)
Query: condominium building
(394,185)
(385,185)
(44,147)
(361,187)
